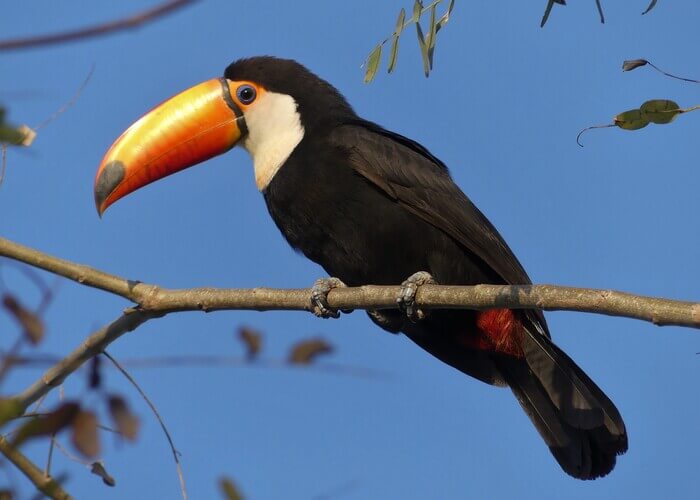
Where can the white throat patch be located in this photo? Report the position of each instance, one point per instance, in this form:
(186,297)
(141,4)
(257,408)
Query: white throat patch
(274,130)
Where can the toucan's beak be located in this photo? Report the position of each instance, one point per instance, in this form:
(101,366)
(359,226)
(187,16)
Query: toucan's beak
(201,122)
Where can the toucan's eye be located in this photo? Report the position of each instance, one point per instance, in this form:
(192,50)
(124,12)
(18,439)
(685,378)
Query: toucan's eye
(246,94)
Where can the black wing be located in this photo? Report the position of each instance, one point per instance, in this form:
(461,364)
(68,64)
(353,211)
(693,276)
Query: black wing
(409,174)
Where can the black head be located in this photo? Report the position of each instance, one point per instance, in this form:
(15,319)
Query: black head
(319,103)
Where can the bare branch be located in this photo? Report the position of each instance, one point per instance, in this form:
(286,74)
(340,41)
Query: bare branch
(46,484)
(91,31)
(154,301)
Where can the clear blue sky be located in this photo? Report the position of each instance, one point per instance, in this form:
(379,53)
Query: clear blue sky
(502,109)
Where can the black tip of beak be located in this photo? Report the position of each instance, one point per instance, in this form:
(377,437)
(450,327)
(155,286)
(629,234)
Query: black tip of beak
(112,174)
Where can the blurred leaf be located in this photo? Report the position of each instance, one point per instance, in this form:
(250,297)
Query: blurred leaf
(446,16)
(5,494)
(400,22)
(660,111)
(417,10)
(393,53)
(631,120)
(31,324)
(48,424)
(126,422)
(252,341)
(634,64)
(229,489)
(423,50)
(10,409)
(85,437)
(651,6)
(373,63)
(94,375)
(98,469)
(16,136)
(306,352)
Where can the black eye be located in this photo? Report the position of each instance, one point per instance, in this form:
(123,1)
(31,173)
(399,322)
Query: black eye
(246,94)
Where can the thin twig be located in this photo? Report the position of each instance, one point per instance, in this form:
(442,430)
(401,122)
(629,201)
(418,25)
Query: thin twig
(69,104)
(45,484)
(47,470)
(176,454)
(91,31)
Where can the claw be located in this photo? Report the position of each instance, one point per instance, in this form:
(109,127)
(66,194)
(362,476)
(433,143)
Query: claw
(407,296)
(319,297)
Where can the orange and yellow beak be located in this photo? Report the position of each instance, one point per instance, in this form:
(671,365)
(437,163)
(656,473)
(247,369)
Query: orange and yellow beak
(202,122)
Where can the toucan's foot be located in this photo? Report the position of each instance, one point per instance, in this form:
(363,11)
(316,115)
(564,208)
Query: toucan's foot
(407,296)
(390,320)
(319,297)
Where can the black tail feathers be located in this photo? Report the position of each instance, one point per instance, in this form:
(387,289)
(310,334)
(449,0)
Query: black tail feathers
(579,423)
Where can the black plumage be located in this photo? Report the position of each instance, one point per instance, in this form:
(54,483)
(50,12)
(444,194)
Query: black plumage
(374,207)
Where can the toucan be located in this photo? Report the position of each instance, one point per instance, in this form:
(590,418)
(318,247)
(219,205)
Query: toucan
(374,207)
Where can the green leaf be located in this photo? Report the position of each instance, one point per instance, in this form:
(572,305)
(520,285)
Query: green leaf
(660,111)
(400,22)
(446,16)
(373,63)
(631,120)
(393,53)
(423,50)
(651,6)
(432,29)
(417,11)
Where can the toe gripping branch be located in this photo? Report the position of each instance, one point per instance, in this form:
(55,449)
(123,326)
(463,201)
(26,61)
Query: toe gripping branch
(407,296)
(319,297)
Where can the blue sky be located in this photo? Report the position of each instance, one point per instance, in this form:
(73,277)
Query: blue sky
(502,109)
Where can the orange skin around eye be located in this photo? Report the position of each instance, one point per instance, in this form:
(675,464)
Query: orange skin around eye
(234,85)
(187,129)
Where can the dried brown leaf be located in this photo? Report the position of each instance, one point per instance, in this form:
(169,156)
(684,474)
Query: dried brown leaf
(126,422)
(306,352)
(98,469)
(228,488)
(634,64)
(252,340)
(31,324)
(48,424)
(85,436)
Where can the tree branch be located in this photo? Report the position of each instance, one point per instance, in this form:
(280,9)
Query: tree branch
(101,29)
(154,301)
(43,483)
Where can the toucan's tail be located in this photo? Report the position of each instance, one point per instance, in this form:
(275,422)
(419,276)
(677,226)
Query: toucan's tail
(581,426)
